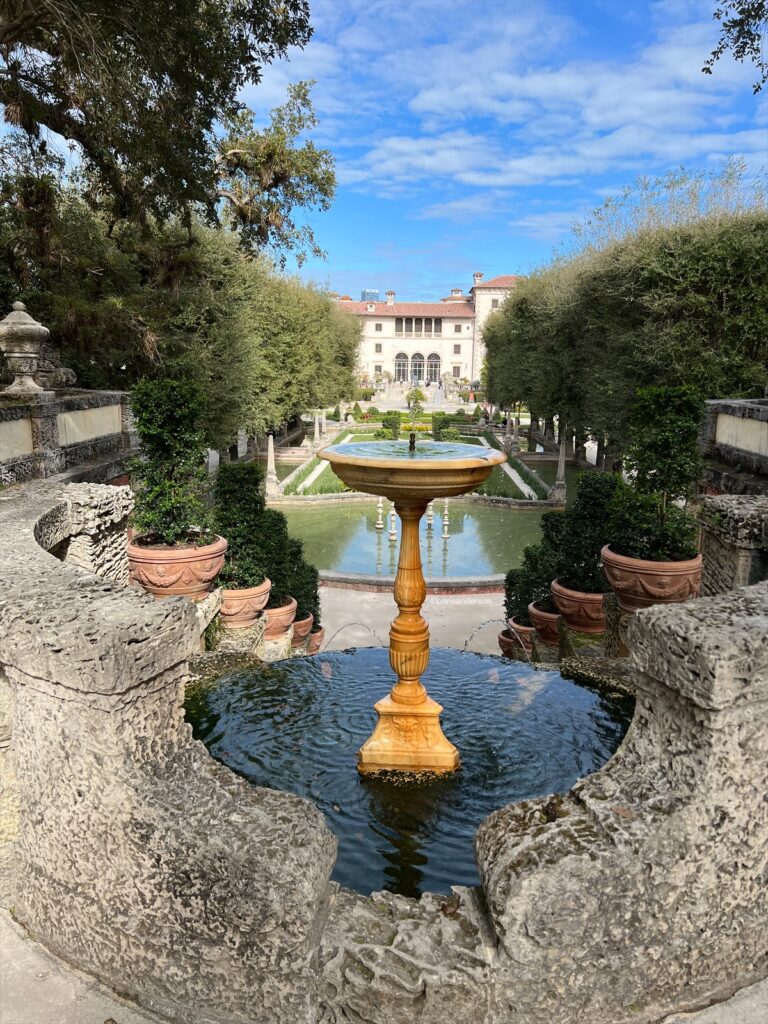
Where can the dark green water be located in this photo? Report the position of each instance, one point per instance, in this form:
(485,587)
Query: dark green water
(296,725)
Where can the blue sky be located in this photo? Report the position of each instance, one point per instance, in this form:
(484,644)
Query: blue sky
(470,134)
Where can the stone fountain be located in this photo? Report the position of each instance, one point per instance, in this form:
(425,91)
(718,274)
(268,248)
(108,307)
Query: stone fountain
(408,736)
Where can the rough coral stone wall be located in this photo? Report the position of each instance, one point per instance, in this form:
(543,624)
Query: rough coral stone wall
(734,542)
(138,858)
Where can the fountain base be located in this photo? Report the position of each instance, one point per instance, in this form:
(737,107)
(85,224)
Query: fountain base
(408,738)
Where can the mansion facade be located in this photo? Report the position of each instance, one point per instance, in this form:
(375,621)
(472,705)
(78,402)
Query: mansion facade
(420,342)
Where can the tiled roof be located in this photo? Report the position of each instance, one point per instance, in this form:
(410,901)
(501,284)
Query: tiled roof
(505,281)
(447,310)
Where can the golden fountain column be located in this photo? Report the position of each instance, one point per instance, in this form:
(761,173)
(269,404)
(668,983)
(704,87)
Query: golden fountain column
(408,734)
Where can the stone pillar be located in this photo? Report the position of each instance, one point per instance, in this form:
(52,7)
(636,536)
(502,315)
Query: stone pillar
(49,458)
(272,483)
(558,491)
(323,424)
(21,339)
(316,434)
(734,542)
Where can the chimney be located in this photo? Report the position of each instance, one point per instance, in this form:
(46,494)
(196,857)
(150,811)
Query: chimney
(390,298)
(477,278)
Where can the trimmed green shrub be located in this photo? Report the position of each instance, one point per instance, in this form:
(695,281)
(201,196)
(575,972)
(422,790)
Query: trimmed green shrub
(390,421)
(450,434)
(357,412)
(585,532)
(640,526)
(478,413)
(439,424)
(371,413)
(303,582)
(239,517)
(171,504)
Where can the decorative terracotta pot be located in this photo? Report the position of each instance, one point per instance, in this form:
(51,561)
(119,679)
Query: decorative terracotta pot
(545,624)
(168,572)
(316,640)
(581,612)
(279,619)
(240,607)
(301,628)
(512,645)
(524,635)
(639,583)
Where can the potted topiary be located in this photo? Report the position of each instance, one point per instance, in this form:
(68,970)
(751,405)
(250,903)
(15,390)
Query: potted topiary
(528,595)
(173,550)
(276,555)
(303,585)
(519,633)
(580,585)
(651,556)
(239,513)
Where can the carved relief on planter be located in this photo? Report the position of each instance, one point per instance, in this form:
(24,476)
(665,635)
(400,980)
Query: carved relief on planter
(638,583)
(581,611)
(241,607)
(170,572)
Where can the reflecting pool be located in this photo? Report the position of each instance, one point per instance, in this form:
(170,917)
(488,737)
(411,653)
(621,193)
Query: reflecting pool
(296,725)
(482,539)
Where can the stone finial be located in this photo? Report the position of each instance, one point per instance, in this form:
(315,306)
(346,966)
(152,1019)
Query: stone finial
(21,339)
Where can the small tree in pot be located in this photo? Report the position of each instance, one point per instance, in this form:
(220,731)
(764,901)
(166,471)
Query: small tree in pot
(580,583)
(174,550)
(239,515)
(651,554)
(527,595)
(303,580)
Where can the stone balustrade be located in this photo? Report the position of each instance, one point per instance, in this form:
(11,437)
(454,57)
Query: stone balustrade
(133,855)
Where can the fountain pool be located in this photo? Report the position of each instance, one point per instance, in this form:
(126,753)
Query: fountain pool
(483,540)
(297,725)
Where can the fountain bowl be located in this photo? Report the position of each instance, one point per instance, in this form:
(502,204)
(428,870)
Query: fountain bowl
(435,469)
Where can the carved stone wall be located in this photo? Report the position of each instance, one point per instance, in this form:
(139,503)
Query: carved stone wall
(137,857)
(734,542)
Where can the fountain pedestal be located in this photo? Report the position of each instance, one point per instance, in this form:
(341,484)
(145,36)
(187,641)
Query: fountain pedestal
(408,734)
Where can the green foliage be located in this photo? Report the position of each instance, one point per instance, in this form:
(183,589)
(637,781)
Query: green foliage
(531,582)
(415,397)
(742,34)
(450,434)
(439,423)
(662,451)
(382,435)
(357,412)
(336,414)
(371,413)
(390,421)
(171,475)
(301,476)
(460,414)
(139,91)
(363,394)
(584,533)
(533,480)
(640,527)
(303,582)
(499,485)
(478,413)
(239,512)
(670,285)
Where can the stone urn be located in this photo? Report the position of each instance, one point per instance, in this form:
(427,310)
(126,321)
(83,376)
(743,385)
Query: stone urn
(581,612)
(21,339)
(240,607)
(170,572)
(639,583)
(279,619)
(545,624)
(302,629)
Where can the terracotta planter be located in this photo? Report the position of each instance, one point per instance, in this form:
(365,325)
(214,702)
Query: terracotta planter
(301,628)
(581,612)
(240,607)
(168,572)
(316,640)
(545,624)
(279,619)
(639,583)
(524,635)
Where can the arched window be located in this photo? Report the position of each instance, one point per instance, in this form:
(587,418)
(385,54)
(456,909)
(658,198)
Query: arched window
(433,368)
(398,325)
(401,366)
(417,366)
